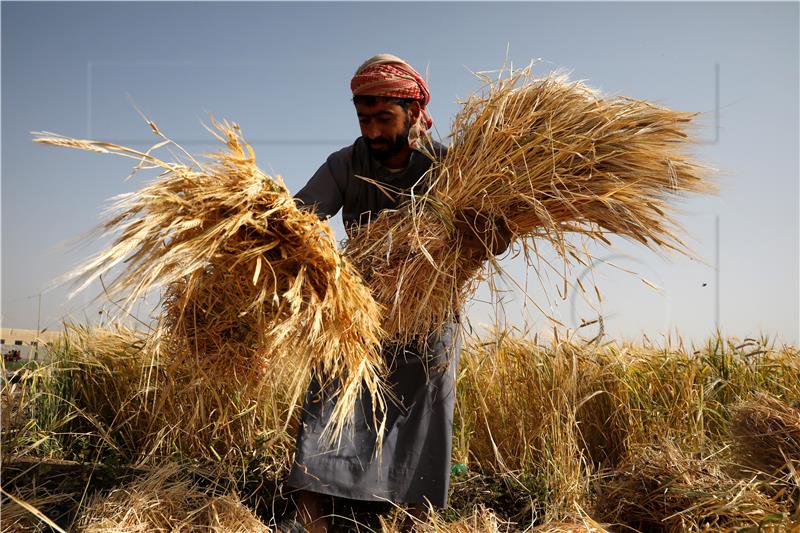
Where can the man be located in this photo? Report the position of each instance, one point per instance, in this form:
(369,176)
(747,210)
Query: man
(413,467)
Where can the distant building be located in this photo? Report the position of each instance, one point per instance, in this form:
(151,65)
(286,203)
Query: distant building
(24,344)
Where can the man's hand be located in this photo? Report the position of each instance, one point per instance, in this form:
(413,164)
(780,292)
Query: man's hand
(482,235)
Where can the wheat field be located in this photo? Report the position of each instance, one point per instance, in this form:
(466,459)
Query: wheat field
(556,436)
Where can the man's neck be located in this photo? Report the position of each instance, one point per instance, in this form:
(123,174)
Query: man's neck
(399,160)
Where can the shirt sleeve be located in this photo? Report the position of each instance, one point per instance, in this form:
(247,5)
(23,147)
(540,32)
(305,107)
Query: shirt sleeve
(324,192)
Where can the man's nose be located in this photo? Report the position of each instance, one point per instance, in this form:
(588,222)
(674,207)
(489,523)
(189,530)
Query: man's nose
(371,130)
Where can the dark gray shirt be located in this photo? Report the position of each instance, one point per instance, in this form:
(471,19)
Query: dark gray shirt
(338,183)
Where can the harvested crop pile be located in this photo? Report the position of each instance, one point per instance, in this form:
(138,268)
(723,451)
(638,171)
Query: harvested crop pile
(249,279)
(481,520)
(166,501)
(543,158)
(586,526)
(661,488)
(766,439)
(23,513)
(767,434)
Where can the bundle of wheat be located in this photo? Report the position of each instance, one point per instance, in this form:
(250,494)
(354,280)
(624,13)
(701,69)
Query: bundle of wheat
(766,432)
(166,501)
(662,488)
(542,158)
(250,279)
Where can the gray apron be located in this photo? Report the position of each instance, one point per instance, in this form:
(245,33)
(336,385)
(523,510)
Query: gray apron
(414,463)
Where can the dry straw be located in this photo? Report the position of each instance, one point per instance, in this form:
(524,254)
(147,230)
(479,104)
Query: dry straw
(249,280)
(481,520)
(23,513)
(766,433)
(586,526)
(544,157)
(166,501)
(662,488)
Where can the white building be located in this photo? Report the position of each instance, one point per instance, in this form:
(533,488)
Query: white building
(29,343)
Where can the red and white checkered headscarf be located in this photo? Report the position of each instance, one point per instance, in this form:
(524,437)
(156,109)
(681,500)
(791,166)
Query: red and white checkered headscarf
(388,75)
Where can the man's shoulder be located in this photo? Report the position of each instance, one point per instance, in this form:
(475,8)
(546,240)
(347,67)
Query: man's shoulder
(439,150)
(346,153)
(433,150)
(341,163)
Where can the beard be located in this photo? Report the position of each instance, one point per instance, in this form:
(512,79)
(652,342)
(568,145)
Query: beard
(383,149)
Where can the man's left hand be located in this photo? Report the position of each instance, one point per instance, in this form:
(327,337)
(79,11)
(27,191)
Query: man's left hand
(483,235)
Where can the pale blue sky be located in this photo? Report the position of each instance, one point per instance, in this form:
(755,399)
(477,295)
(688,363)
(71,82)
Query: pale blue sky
(282,71)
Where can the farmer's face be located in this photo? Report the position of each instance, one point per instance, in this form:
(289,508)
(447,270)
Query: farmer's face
(385,127)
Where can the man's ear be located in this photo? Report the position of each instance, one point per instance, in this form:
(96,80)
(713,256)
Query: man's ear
(414,111)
